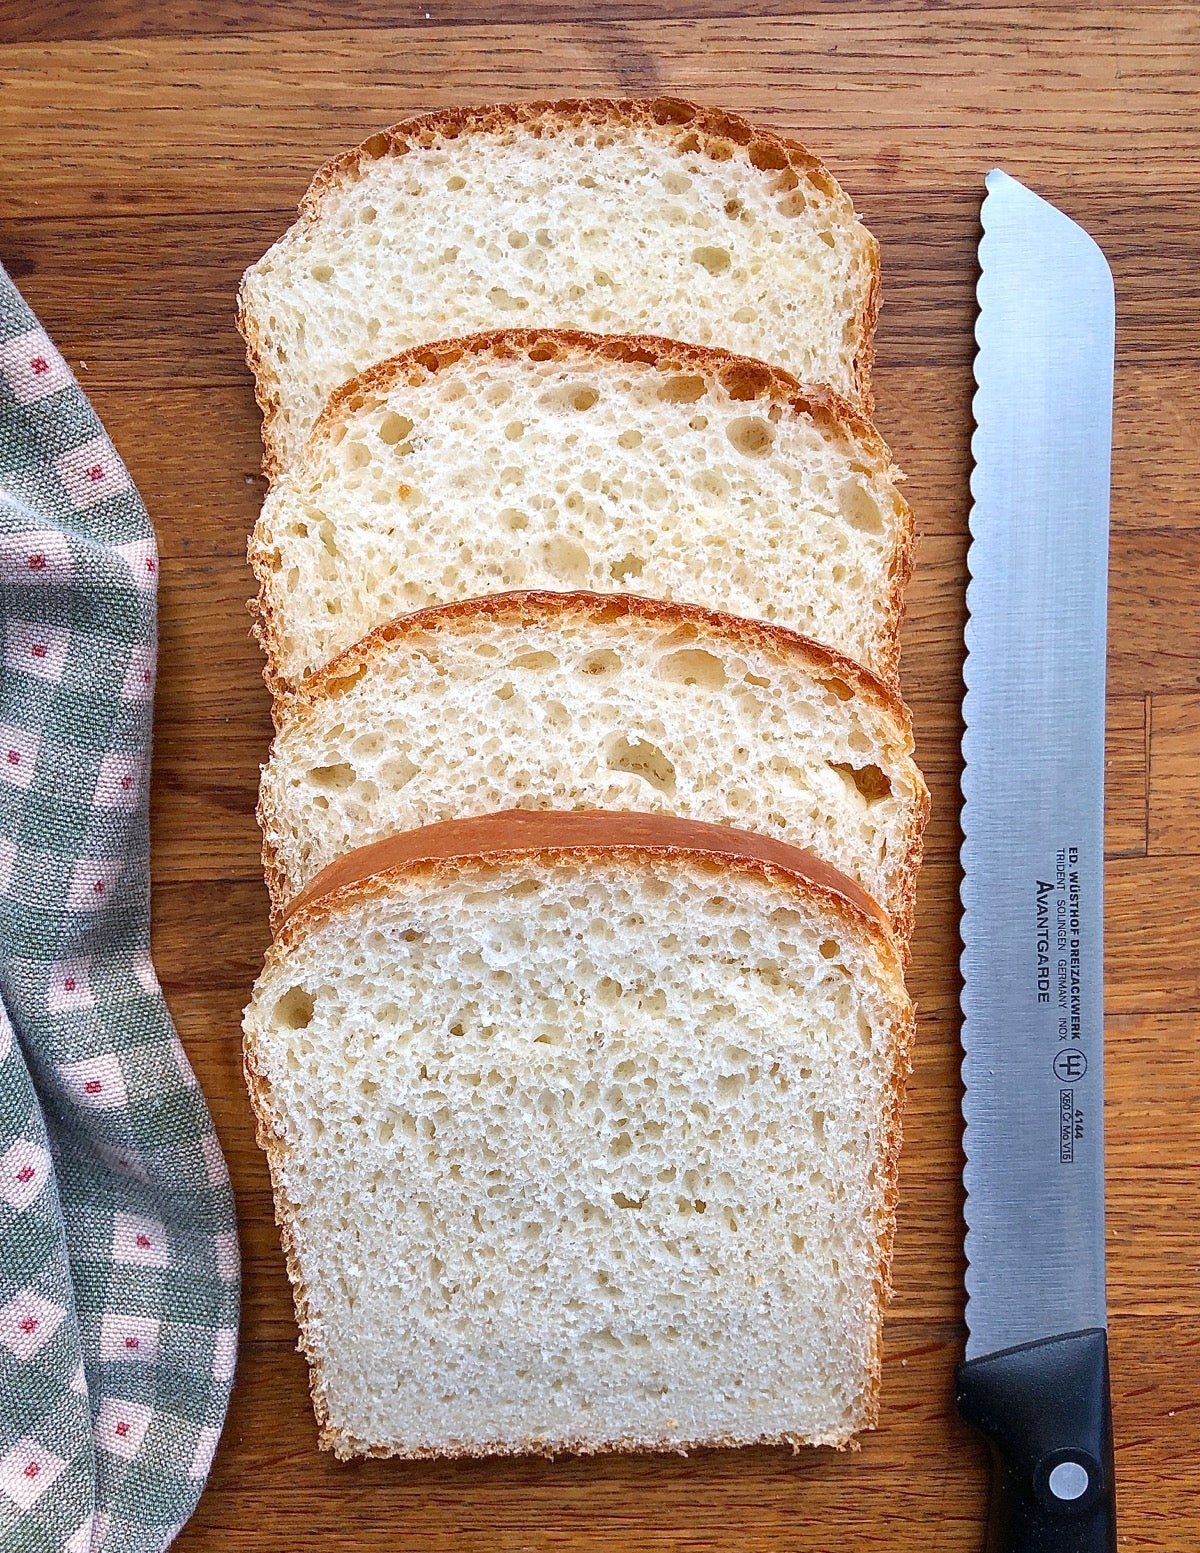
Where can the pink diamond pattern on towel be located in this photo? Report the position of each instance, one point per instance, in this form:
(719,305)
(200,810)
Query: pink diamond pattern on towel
(27,1471)
(139,677)
(28,1322)
(36,555)
(92,883)
(119,782)
(24,1170)
(121,1426)
(35,649)
(96,1083)
(129,1337)
(140,1242)
(124,1161)
(142,559)
(18,756)
(91,473)
(32,367)
(70,987)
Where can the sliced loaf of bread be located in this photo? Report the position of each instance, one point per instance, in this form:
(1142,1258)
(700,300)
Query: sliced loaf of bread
(614,216)
(578,701)
(583,1134)
(566,460)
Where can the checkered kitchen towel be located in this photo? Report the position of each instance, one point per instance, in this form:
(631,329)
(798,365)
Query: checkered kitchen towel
(118,1251)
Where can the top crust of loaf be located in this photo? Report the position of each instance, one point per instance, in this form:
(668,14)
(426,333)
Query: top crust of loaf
(741,376)
(526,833)
(436,853)
(719,135)
(533,606)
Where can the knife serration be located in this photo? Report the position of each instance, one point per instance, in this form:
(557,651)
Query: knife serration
(1033,783)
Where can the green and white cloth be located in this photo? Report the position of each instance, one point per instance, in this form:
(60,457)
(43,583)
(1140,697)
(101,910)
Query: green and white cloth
(119,1270)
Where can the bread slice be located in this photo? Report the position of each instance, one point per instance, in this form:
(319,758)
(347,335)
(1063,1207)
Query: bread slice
(577,701)
(614,216)
(560,460)
(583,1132)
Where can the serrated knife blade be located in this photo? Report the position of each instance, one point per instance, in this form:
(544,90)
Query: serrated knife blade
(1036,1373)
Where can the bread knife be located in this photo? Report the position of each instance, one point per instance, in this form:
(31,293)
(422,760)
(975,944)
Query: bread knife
(1035,1377)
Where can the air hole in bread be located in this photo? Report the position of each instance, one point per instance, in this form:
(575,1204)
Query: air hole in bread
(870,782)
(839,687)
(793,204)
(397,770)
(711,484)
(638,757)
(504,301)
(715,260)
(751,435)
(395,428)
(572,396)
(603,662)
(513,520)
(683,389)
(629,566)
(334,779)
(518,240)
(534,660)
(336,683)
(676,182)
(629,440)
(861,508)
(322,272)
(294,1010)
(567,559)
(514,431)
(693,666)
(355,455)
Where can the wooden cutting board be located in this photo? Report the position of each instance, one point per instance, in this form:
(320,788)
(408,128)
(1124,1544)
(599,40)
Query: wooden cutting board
(149,152)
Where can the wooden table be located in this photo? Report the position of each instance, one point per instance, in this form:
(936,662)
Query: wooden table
(148,152)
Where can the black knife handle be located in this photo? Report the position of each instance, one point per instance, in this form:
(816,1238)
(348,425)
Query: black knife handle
(1045,1410)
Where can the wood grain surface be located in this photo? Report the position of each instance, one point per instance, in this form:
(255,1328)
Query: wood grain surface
(149,152)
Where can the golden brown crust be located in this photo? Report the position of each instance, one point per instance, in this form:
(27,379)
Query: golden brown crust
(545,832)
(742,377)
(424,872)
(523,607)
(716,133)
(533,607)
